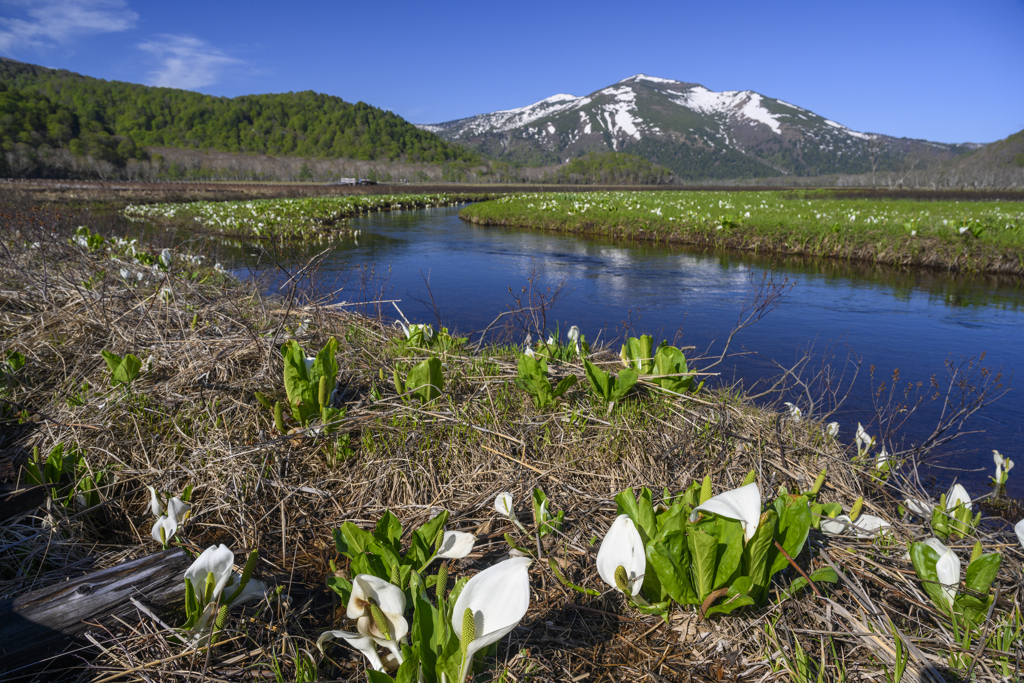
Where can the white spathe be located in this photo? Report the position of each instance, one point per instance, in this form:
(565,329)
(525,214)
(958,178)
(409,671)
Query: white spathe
(947,569)
(168,525)
(1018,528)
(882,459)
(498,598)
(386,595)
(215,560)
(832,429)
(360,642)
(863,440)
(867,526)
(742,504)
(574,337)
(456,544)
(622,547)
(921,508)
(154,502)
(837,526)
(957,494)
(1002,465)
(794,412)
(503,504)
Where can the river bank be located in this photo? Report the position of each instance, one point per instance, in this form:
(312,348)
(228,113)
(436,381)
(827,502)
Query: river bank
(208,343)
(949,235)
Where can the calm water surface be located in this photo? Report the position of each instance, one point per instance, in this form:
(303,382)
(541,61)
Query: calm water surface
(913,322)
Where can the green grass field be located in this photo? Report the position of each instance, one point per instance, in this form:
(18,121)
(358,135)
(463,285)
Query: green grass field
(963,235)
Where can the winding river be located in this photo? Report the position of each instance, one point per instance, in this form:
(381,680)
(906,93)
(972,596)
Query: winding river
(915,322)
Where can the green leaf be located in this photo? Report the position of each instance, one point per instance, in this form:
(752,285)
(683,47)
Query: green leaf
(794,523)
(341,586)
(302,399)
(671,361)
(623,383)
(113,360)
(598,379)
(755,555)
(669,557)
(127,371)
(566,582)
(425,380)
(703,548)
(563,386)
(736,598)
(388,530)
(374,676)
(350,540)
(982,572)
(422,545)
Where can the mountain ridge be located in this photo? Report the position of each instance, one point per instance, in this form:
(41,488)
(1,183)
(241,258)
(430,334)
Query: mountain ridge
(696,132)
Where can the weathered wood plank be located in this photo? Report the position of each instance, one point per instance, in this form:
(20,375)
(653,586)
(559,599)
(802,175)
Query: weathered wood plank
(43,622)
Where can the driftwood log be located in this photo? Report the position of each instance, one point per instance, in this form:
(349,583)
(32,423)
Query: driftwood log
(43,623)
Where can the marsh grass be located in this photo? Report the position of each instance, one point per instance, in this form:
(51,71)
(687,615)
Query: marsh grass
(951,235)
(191,418)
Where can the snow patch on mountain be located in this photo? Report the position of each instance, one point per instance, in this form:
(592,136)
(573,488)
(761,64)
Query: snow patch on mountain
(862,136)
(620,113)
(645,77)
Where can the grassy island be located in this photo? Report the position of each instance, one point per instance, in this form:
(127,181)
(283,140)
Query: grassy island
(957,235)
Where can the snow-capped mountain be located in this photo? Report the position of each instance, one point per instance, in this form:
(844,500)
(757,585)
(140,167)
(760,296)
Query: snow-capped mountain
(695,132)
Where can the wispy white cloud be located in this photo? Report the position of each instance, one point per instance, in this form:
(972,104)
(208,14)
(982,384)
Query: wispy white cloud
(44,23)
(185,62)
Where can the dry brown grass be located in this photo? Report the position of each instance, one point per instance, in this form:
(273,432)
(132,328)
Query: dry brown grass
(192,419)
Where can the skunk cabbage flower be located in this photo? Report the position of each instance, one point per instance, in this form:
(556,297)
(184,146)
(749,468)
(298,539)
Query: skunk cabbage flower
(918,507)
(360,642)
(621,561)
(794,412)
(503,505)
(215,561)
(492,603)
(154,502)
(574,338)
(456,544)
(882,459)
(832,429)
(742,504)
(836,526)
(386,624)
(166,526)
(957,494)
(947,569)
(867,526)
(1018,528)
(166,258)
(864,441)
(1003,467)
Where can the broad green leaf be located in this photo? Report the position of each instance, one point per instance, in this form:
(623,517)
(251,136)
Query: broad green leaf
(794,523)
(341,586)
(623,383)
(982,572)
(128,370)
(421,546)
(756,553)
(598,379)
(669,558)
(703,549)
(425,380)
(736,597)
(388,530)
(113,360)
(425,632)
(563,386)
(350,540)
(374,676)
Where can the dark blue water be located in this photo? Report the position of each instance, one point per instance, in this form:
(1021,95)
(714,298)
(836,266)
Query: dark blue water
(913,322)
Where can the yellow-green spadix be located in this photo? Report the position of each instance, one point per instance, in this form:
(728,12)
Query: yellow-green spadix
(622,547)
(742,504)
(389,626)
(497,598)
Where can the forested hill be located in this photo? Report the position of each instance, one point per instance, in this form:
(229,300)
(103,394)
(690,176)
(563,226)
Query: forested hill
(42,106)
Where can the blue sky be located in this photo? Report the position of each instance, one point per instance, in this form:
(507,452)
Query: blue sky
(943,71)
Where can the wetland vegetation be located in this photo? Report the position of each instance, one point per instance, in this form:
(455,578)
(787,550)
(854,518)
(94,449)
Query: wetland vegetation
(145,387)
(953,235)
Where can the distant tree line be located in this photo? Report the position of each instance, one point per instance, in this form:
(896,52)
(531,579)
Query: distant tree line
(112,122)
(610,168)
